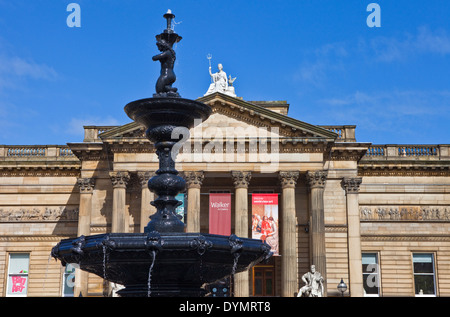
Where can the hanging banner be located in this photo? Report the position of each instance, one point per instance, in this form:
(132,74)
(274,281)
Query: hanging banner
(220,214)
(180,211)
(265,219)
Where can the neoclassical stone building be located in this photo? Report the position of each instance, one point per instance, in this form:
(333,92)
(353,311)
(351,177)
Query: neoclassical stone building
(376,216)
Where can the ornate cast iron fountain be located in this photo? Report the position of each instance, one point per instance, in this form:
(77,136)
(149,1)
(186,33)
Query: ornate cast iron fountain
(164,260)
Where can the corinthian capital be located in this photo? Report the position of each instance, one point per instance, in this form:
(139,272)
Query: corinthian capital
(86,184)
(288,179)
(194,179)
(316,179)
(351,184)
(241,179)
(119,179)
(144,177)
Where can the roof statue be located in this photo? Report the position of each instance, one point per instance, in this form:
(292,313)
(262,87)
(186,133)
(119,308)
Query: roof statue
(220,82)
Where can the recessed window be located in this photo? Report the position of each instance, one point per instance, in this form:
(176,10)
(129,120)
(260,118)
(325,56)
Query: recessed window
(424,275)
(18,265)
(371,275)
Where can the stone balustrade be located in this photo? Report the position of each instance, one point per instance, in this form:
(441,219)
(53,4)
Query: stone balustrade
(346,133)
(40,152)
(408,152)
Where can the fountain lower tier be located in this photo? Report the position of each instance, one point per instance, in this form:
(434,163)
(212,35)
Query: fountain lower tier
(162,265)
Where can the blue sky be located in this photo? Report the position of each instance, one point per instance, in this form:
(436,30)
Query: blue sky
(393,82)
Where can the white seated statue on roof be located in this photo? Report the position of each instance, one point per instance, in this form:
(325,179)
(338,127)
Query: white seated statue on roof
(220,82)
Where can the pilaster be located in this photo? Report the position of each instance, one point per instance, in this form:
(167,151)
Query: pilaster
(351,186)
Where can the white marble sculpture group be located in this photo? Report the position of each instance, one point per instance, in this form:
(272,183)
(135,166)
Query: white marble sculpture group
(220,82)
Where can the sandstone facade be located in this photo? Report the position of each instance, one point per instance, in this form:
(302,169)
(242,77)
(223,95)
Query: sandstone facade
(341,201)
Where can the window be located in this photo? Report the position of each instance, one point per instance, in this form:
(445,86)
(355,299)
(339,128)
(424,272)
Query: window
(424,279)
(17,283)
(68,281)
(371,274)
(263,281)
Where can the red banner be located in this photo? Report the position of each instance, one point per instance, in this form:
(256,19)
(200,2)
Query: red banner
(220,214)
(265,219)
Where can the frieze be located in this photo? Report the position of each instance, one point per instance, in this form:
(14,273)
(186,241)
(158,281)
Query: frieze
(38,214)
(406,213)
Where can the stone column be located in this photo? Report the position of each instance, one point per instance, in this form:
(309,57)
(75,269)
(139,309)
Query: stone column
(241,181)
(86,186)
(119,215)
(316,181)
(146,197)
(288,248)
(351,186)
(194,182)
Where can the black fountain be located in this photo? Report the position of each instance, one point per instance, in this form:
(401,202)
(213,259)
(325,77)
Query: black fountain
(164,261)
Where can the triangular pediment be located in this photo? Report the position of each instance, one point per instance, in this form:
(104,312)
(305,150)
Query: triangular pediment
(229,113)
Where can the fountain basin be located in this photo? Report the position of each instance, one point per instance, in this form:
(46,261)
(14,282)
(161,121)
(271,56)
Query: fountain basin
(176,112)
(162,265)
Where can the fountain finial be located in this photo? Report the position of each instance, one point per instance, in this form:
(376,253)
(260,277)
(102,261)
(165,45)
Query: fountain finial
(169,16)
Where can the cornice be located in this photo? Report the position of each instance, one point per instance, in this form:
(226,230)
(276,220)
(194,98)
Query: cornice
(90,151)
(409,168)
(412,238)
(50,171)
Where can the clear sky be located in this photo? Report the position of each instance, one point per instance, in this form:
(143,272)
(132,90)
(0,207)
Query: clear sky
(392,81)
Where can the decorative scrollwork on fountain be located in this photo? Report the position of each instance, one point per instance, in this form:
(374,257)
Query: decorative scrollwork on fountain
(201,244)
(235,243)
(77,248)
